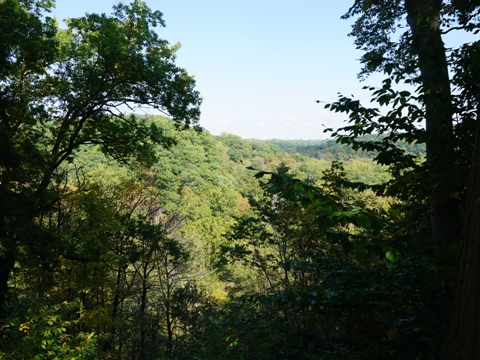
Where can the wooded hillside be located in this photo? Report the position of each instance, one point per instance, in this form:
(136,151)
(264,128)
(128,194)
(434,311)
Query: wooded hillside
(135,260)
(129,236)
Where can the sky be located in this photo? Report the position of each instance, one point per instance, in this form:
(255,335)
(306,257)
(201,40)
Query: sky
(260,65)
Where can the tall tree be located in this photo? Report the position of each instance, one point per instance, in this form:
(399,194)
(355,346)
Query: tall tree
(464,336)
(447,106)
(418,58)
(423,18)
(61,89)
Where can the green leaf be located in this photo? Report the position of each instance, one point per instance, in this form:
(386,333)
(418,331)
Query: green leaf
(364,221)
(390,255)
(305,202)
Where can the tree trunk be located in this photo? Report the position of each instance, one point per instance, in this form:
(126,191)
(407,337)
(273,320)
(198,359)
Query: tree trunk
(7,262)
(463,341)
(7,243)
(424,20)
(143,315)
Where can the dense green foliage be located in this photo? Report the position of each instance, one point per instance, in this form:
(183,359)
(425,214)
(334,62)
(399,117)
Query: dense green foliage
(333,150)
(142,237)
(142,252)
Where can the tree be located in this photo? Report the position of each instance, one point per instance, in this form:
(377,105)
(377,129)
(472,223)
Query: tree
(464,338)
(62,89)
(419,59)
(341,278)
(447,105)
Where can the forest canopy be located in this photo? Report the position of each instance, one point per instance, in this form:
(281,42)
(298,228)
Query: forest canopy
(133,236)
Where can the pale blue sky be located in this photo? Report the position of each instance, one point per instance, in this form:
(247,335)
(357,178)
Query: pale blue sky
(259,64)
